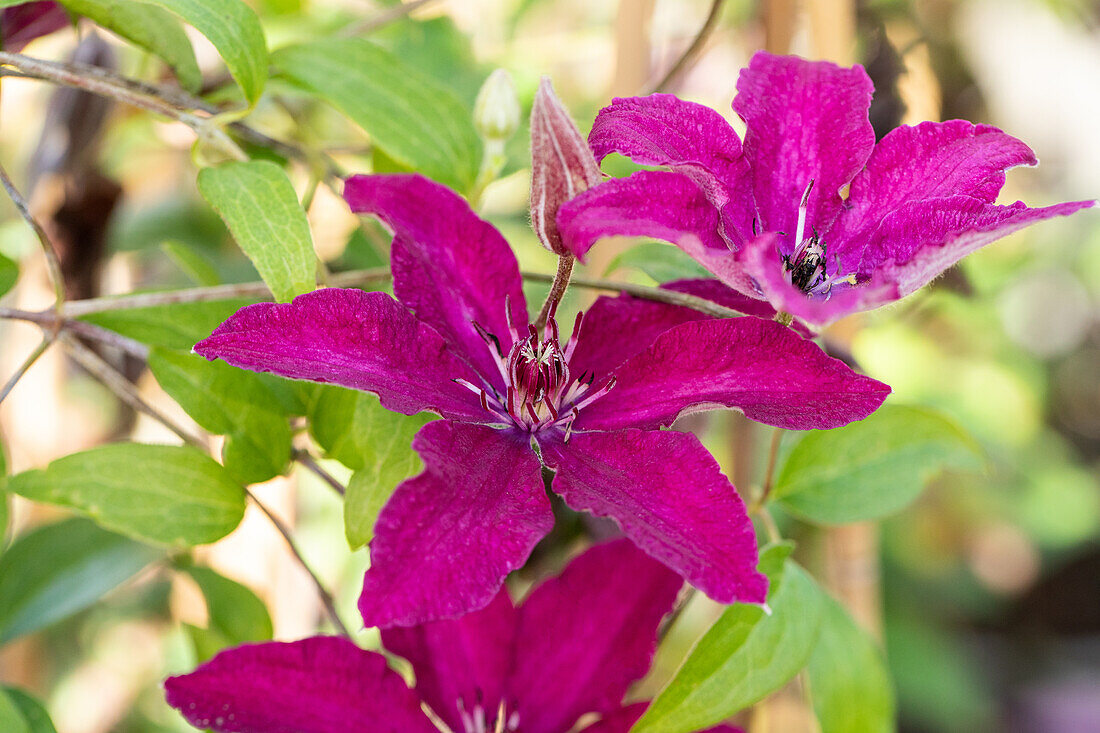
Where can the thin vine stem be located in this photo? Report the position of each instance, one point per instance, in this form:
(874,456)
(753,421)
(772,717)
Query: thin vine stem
(557,289)
(47,340)
(310,463)
(643,291)
(688,57)
(53,263)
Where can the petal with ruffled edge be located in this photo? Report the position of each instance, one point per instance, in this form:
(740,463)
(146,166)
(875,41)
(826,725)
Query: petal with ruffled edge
(760,258)
(462,663)
(320,685)
(670,498)
(587,634)
(658,204)
(693,139)
(365,341)
(806,121)
(932,160)
(447,538)
(760,367)
(449,266)
(920,240)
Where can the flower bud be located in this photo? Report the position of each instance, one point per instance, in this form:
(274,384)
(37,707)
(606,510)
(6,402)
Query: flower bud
(562,164)
(496,110)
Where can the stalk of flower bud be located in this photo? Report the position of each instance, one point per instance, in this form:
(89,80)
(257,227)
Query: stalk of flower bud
(496,119)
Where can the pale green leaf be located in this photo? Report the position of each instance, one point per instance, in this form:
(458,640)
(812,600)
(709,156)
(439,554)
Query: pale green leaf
(258,204)
(148,27)
(234,29)
(662,262)
(744,656)
(11,717)
(233,402)
(172,326)
(170,495)
(235,613)
(872,468)
(9,273)
(194,265)
(849,684)
(54,571)
(34,714)
(416,120)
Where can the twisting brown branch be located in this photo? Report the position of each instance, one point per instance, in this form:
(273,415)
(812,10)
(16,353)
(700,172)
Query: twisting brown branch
(691,53)
(397,12)
(643,291)
(51,324)
(52,261)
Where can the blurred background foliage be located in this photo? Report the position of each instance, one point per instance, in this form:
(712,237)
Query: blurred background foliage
(989,600)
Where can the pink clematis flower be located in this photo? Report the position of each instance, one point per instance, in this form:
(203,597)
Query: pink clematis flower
(515,400)
(571,648)
(21,24)
(809,214)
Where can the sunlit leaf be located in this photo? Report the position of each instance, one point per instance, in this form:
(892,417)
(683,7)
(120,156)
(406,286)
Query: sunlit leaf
(231,402)
(34,714)
(236,615)
(416,120)
(746,655)
(172,326)
(234,29)
(849,684)
(148,27)
(258,204)
(11,717)
(52,572)
(872,468)
(9,273)
(170,495)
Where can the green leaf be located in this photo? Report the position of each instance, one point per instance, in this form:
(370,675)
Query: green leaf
(415,119)
(258,204)
(150,28)
(169,495)
(5,502)
(745,655)
(9,273)
(872,468)
(849,684)
(34,714)
(232,402)
(55,571)
(11,717)
(174,326)
(193,264)
(234,611)
(235,30)
(662,262)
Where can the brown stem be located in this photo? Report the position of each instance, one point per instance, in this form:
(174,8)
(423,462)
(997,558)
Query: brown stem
(773,455)
(691,53)
(557,289)
(52,261)
(310,463)
(644,291)
(50,323)
(26,365)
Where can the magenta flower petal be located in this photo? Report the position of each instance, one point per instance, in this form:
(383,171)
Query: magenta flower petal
(360,340)
(21,24)
(932,160)
(692,139)
(618,721)
(659,204)
(318,685)
(447,538)
(463,663)
(450,267)
(807,122)
(757,366)
(670,498)
(597,622)
(921,239)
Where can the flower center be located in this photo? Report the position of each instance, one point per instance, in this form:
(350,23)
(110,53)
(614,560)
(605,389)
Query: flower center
(540,391)
(477,719)
(805,267)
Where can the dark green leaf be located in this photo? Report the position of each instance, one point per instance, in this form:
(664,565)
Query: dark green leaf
(231,402)
(150,28)
(9,273)
(849,683)
(258,204)
(416,120)
(170,495)
(34,714)
(52,572)
(194,265)
(872,468)
(234,611)
(175,326)
(235,31)
(662,262)
(745,655)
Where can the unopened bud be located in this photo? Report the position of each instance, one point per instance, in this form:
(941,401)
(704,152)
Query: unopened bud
(496,110)
(562,164)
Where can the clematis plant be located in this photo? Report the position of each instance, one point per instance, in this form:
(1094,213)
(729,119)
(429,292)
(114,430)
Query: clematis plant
(565,656)
(516,400)
(809,214)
